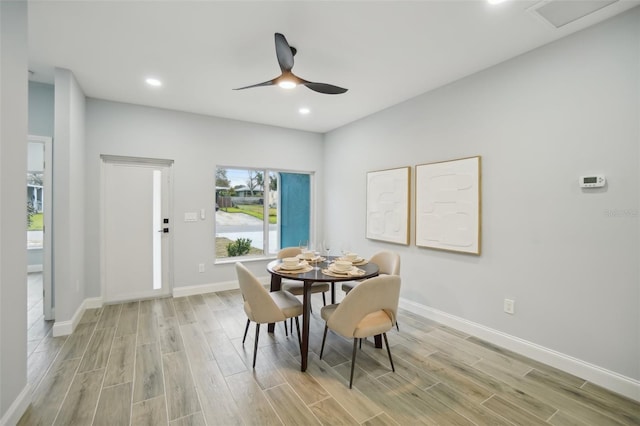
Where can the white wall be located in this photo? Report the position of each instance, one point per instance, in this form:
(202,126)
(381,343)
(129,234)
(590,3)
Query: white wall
(196,144)
(539,121)
(68,196)
(41,102)
(14,392)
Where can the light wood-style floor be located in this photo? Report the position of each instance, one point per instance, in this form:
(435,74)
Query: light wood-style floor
(181,362)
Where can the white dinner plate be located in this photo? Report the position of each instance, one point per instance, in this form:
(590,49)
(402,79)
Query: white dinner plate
(294,267)
(356,260)
(337,271)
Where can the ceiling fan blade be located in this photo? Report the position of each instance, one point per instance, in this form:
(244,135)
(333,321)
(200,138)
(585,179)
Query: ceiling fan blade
(284,53)
(327,89)
(265,83)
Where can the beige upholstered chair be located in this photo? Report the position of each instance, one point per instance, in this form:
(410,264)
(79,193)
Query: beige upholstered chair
(262,306)
(389,264)
(297,287)
(367,310)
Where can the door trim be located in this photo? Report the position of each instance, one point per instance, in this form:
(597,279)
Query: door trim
(142,161)
(124,159)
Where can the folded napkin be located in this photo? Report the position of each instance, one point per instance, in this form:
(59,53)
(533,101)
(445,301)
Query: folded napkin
(316,259)
(355,272)
(303,269)
(358,262)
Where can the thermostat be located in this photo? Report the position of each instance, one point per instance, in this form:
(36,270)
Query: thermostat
(594,181)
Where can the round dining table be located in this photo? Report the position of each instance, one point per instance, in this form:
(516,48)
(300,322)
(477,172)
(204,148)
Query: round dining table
(308,277)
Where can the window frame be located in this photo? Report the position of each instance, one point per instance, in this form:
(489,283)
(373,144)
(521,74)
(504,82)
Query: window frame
(267,172)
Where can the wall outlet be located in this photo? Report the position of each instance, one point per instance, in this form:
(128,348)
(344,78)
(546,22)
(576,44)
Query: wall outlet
(510,306)
(201,267)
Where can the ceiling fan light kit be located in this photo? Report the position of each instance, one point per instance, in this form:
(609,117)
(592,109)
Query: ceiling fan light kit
(287,79)
(287,84)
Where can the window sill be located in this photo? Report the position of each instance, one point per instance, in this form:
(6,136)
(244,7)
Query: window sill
(232,260)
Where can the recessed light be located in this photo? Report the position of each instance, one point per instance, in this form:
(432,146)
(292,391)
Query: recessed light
(304,111)
(153,82)
(496,1)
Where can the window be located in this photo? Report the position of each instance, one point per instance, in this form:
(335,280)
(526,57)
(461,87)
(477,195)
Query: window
(258,211)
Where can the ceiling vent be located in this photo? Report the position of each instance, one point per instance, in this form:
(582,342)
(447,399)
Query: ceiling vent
(559,13)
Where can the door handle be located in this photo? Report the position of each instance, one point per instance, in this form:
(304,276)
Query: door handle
(164,230)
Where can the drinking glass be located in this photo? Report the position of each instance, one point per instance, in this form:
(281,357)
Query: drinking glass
(326,245)
(304,245)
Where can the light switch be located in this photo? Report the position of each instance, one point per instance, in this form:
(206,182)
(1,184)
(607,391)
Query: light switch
(202,214)
(191,217)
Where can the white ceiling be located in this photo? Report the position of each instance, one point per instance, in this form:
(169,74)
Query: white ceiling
(384,52)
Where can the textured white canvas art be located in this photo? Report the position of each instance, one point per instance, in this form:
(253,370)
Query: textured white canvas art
(388,205)
(448,205)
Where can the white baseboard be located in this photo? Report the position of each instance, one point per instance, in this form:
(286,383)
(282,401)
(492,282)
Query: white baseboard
(64,328)
(17,407)
(192,290)
(93,303)
(600,376)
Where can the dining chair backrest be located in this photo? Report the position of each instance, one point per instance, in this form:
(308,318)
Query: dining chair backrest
(372,295)
(258,305)
(388,262)
(289,252)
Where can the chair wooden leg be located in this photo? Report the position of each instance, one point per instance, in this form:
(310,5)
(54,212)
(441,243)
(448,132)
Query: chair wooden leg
(324,299)
(245,331)
(353,360)
(324,337)
(286,333)
(386,342)
(298,330)
(255,346)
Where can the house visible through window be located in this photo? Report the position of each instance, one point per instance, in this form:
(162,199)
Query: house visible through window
(258,211)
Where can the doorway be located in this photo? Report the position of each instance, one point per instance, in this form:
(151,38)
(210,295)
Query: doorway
(136,228)
(39,173)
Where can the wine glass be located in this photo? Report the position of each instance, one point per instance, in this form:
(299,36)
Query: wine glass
(304,245)
(326,246)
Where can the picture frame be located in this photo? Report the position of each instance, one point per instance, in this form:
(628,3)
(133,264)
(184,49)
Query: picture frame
(388,205)
(448,205)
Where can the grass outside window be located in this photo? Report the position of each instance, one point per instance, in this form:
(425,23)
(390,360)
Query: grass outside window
(36,222)
(254,210)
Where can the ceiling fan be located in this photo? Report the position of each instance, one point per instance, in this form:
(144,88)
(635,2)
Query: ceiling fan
(288,80)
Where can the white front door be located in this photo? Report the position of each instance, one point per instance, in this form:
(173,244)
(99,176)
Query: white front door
(135,228)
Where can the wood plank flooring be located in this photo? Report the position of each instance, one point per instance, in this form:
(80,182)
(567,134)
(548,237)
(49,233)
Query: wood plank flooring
(181,362)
